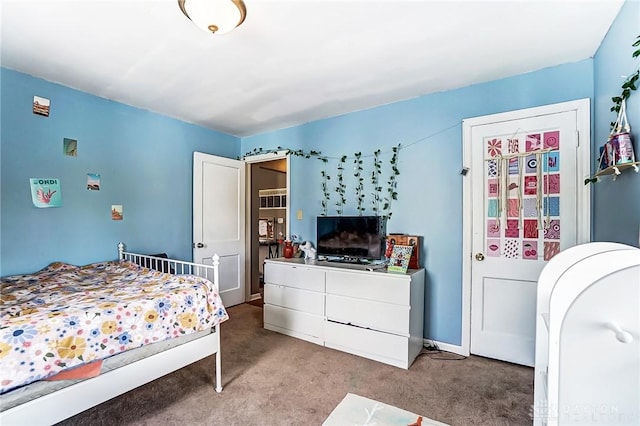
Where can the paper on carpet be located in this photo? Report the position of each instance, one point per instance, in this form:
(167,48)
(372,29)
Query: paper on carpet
(358,410)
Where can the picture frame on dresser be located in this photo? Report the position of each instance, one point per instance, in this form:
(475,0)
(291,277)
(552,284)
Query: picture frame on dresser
(399,260)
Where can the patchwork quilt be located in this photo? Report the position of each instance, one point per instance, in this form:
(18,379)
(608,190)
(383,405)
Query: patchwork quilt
(64,315)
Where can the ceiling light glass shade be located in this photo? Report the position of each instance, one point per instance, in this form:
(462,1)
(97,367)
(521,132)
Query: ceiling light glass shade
(216,16)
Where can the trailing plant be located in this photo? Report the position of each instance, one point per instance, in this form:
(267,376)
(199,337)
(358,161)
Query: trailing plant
(629,84)
(590,180)
(326,195)
(375,181)
(392,194)
(341,188)
(277,150)
(627,87)
(304,154)
(359,181)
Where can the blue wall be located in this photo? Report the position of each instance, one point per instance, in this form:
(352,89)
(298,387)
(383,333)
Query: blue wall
(145,162)
(144,159)
(617,204)
(429,186)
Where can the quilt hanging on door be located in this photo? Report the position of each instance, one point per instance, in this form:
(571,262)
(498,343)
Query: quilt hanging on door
(523,196)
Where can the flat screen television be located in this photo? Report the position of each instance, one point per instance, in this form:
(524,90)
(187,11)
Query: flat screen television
(351,237)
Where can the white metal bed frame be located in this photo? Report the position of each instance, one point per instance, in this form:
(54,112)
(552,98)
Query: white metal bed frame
(73,399)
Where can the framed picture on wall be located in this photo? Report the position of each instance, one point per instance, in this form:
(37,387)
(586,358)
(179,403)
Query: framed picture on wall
(265,228)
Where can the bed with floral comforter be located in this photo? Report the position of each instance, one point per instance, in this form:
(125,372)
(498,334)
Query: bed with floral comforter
(64,315)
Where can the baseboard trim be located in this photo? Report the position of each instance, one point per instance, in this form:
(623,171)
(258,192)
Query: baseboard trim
(448,347)
(255,296)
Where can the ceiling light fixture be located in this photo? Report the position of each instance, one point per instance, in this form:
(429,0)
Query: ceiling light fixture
(216,16)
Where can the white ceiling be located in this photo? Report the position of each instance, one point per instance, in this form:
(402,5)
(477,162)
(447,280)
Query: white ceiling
(291,61)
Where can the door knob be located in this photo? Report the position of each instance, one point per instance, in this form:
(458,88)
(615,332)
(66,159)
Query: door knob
(479,256)
(199,245)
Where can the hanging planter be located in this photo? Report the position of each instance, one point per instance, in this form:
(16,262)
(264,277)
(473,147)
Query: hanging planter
(617,153)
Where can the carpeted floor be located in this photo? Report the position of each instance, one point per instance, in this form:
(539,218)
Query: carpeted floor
(271,379)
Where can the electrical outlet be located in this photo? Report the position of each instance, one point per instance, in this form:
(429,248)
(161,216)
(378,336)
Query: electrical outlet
(299,214)
(280,220)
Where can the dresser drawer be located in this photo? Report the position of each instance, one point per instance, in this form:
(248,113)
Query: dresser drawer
(294,276)
(294,323)
(311,302)
(381,287)
(365,313)
(383,347)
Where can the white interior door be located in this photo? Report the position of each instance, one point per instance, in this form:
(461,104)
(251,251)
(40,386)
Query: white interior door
(526,206)
(219,220)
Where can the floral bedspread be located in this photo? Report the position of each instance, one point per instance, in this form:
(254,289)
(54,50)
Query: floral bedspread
(66,315)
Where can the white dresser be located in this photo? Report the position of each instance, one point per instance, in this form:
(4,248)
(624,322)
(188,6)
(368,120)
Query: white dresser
(374,314)
(294,299)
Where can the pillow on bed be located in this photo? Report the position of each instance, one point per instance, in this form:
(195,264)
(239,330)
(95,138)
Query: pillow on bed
(157,265)
(85,371)
(59,266)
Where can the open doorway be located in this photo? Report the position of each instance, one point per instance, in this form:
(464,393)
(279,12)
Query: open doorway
(268,208)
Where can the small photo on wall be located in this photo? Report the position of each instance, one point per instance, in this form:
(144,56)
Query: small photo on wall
(93,182)
(41,106)
(70,147)
(116,212)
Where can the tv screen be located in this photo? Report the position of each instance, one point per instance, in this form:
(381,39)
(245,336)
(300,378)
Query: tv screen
(351,236)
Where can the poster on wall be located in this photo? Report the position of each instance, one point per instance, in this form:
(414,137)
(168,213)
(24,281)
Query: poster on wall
(70,147)
(116,212)
(93,182)
(46,192)
(41,106)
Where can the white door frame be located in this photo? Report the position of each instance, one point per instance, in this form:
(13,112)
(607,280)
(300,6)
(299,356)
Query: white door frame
(583,167)
(249,160)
